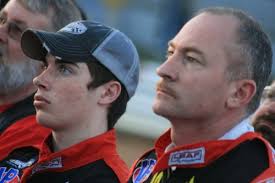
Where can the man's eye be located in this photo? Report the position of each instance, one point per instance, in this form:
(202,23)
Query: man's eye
(62,68)
(191,59)
(270,95)
(15,31)
(169,53)
(44,66)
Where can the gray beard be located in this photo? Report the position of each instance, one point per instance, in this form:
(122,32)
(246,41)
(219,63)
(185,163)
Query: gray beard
(16,76)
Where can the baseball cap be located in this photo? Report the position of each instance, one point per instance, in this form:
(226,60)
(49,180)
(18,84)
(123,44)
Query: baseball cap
(85,41)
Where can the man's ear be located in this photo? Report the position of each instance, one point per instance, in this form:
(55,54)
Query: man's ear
(241,92)
(110,92)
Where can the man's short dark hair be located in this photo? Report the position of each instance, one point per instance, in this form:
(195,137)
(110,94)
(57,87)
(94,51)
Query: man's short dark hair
(101,75)
(254,53)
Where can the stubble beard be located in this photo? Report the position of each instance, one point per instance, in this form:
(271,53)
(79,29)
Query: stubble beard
(160,108)
(17,76)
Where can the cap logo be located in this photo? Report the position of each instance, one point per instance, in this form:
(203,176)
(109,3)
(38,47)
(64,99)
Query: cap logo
(75,28)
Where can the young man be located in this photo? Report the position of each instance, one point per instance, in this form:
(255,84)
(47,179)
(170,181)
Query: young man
(18,126)
(216,69)
(16,70)
(263,119)
(90,73)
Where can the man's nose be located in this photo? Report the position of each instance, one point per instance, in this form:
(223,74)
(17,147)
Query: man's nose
(168,70)
(42,80)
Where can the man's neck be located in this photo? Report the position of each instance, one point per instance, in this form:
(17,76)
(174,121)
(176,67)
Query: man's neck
(189,132)
(66,138)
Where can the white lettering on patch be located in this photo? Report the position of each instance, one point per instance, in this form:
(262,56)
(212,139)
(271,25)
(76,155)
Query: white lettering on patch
(21,164)
(54,163)
(187,157)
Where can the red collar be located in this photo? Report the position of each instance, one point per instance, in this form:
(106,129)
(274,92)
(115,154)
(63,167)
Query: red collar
(100,147)
(198,154)
(89,150)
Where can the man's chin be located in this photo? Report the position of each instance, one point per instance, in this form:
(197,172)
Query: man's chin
(159,107)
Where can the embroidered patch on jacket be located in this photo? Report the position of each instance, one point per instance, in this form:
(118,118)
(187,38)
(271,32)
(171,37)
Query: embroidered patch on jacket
(273,153)
(143,171)
(187,157)
(54,163)
(10,175)
(19,164)
(268,180)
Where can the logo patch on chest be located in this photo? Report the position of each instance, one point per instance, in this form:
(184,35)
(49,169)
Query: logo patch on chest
(143,171)
(54,163)
(269,180)
(9,175)
(19,164)
(187,157)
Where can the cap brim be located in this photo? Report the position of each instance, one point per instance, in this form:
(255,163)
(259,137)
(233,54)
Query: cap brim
(32,46)
(36,45)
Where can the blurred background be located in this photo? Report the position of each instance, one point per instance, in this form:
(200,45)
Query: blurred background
(151,24)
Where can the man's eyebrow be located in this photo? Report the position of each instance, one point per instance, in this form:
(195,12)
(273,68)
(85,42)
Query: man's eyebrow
(170,44)
(60,61)
(192,49)
(186,49)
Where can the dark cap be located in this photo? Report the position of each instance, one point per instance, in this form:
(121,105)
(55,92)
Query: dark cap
(82,41)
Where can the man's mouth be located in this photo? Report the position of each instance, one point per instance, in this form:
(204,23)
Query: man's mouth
(162,88)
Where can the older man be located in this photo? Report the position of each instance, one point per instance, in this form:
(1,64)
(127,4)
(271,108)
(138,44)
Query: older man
(216,69)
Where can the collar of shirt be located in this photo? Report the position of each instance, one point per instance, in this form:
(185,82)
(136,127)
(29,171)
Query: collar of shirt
(101,147)
(238,130)
(194,155)
(241,128)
